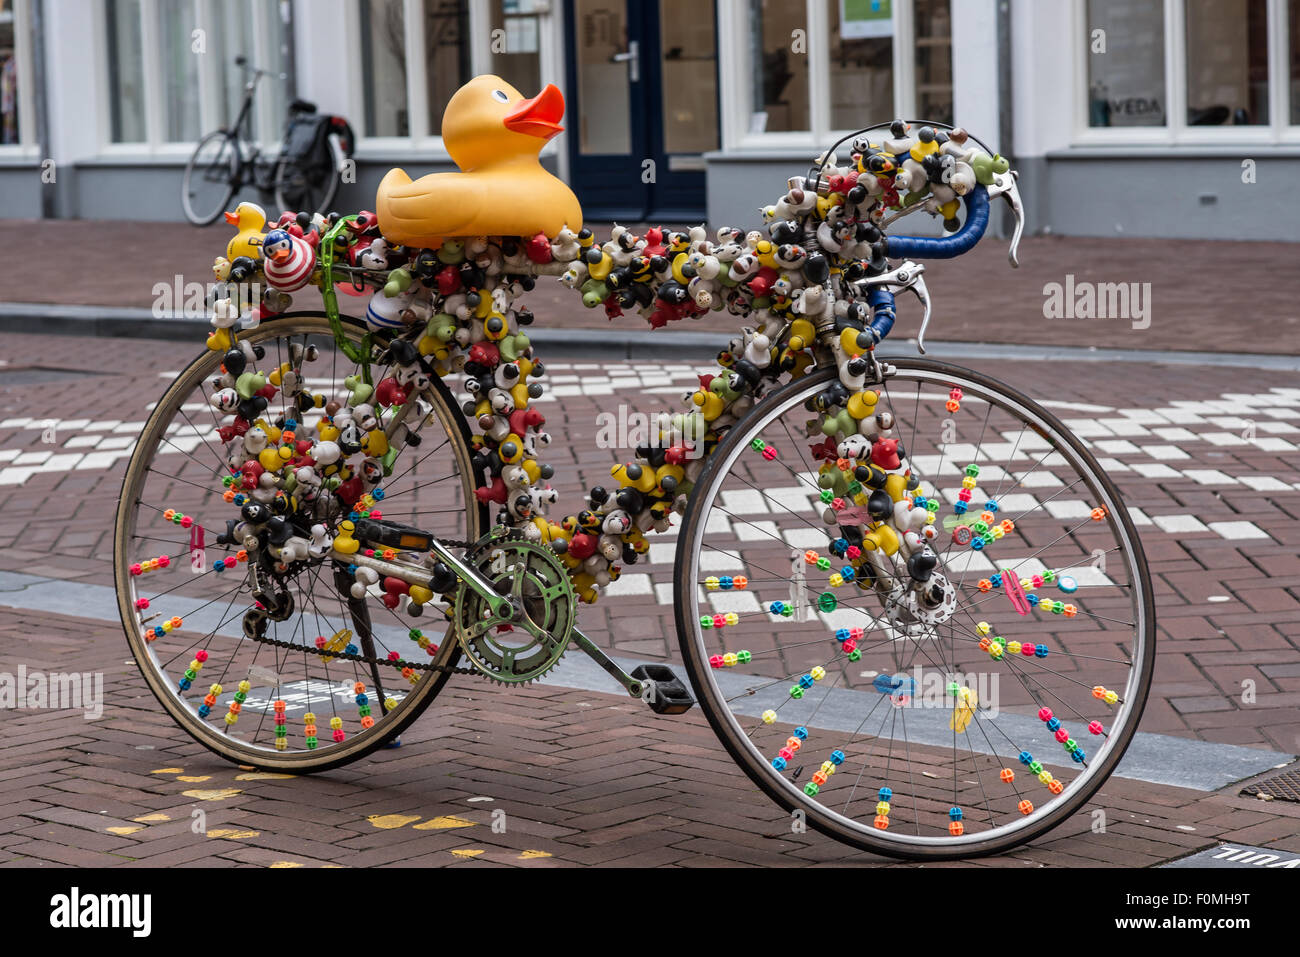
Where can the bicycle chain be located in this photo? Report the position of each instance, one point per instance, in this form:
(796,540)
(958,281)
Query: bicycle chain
(259,635)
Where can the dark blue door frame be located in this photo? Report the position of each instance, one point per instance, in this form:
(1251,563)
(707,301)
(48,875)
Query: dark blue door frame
(622,186)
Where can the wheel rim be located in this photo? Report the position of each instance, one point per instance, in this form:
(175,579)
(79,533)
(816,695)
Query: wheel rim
(735,696)
(209,178)
(175,467)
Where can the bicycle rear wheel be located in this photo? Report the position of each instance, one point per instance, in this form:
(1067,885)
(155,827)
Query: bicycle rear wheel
(919,694)
(210,177)
(294,664)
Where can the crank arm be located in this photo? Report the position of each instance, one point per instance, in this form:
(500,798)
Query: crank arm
(634,687)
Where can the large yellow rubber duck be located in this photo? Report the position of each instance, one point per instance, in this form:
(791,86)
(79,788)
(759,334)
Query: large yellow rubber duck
(494,135)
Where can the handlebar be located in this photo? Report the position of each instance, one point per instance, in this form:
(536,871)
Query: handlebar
(946,247)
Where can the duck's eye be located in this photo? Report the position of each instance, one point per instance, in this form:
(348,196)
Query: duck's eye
(500,95)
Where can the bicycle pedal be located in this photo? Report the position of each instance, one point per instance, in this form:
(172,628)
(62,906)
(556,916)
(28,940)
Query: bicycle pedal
(665,692)
(392,535)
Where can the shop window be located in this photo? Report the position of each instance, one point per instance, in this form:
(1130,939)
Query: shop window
(861,62)
(1125,44)
(125,72)
(383,67)
(180,70)
(1293,70)
(15,72)
(690,69)
(933,47)
(446,59)
(171,72)
(516,44)
(778,66)
(1227,62)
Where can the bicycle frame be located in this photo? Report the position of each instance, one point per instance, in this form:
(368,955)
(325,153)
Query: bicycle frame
(881,289)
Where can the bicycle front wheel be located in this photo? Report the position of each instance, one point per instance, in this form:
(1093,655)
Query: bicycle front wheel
(210,177)
(918,615)
(284,657)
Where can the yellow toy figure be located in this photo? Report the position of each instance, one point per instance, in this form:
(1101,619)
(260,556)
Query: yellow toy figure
(494,136)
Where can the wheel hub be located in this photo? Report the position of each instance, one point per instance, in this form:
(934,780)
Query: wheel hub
(913,608)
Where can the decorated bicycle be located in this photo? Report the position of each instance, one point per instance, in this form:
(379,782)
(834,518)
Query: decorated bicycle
(911,604)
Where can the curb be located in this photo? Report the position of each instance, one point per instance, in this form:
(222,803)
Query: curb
(129,322)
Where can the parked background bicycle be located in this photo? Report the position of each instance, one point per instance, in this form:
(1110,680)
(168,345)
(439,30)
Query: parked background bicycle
(303,175)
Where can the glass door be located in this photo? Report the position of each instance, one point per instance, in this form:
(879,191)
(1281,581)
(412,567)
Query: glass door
(643,106)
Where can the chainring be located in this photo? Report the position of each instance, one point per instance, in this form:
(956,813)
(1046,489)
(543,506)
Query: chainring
(523,648)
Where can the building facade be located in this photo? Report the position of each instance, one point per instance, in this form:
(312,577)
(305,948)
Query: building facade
(1176,118)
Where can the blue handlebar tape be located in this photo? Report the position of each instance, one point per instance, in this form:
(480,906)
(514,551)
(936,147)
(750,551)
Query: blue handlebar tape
(946,247)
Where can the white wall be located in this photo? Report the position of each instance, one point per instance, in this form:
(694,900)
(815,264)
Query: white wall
(1043,56)
(76,98)
(975,68)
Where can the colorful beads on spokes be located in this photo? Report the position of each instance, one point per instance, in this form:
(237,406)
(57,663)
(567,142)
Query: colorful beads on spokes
(281,728)
(309,728)
(192,671)
(792,744)
(151,564)
(882,808)
(237,702)
(363,705)
(176,518)
(726,582)
(1062,735)
(730,659)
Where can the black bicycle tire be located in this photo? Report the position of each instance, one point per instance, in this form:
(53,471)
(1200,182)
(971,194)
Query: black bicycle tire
(698,668)
(299,762)
(189,169)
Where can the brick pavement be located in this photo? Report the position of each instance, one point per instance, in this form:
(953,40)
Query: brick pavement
(568,777)
(977,298)
(579,764)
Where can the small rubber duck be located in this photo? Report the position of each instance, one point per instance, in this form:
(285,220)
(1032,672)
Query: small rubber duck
(494,135)
(251,221)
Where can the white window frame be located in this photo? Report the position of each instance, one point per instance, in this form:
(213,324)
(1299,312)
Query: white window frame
(1176,132)
(421,143)
(734,75)
(26,147)
(266,128)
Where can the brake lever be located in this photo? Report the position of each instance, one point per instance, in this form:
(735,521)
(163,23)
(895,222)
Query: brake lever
(1004,185)
(923,294)
(910,276)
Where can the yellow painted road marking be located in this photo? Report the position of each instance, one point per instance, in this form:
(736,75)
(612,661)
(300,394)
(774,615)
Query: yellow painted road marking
(529,855)
(468,852)
(231,834)
(167,771)
(443,822)
(389,821)
(284,864)
(263,776)
(194,778)
(216,794)
(151,818)
(123,831)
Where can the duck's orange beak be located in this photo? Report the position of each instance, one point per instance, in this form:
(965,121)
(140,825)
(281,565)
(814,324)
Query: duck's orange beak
(232,218)
(538,116)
